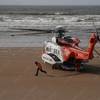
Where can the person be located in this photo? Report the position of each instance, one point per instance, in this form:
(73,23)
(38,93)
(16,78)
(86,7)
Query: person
(39,68)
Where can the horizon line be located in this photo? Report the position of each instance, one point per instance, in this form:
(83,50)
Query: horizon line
(43,5)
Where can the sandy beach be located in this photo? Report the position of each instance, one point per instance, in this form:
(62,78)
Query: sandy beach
(17,80)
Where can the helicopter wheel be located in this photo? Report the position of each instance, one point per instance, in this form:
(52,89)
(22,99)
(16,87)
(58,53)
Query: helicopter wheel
(77,67)
(53,66)
(56,66)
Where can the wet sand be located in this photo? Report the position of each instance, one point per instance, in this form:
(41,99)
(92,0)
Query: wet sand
(17,80)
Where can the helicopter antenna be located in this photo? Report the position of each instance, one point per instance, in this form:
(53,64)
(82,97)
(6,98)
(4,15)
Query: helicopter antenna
(97,33)
(95,27)
(97,52)
(97,37)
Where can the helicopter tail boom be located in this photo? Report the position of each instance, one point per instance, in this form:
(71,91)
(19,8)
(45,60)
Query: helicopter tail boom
(92,42)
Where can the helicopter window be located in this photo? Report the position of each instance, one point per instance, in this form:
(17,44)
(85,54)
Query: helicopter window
(58,52)
(54,51)
(48,49)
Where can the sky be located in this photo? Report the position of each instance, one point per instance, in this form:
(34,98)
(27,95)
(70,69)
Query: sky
(49,2)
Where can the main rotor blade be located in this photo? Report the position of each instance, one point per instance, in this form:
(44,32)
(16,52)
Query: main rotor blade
(29,34)
(53,30)
(30,29)
(44,31)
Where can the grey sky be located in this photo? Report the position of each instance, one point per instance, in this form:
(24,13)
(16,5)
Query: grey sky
(50,2)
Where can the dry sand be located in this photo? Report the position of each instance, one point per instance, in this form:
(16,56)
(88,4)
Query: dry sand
(17,80)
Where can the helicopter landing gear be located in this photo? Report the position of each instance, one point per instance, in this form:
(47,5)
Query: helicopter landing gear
(77,67)
(56,66)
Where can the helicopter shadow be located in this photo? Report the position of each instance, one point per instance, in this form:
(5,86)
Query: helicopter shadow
(91,69)
(87,69)
(68,75)
(65,74)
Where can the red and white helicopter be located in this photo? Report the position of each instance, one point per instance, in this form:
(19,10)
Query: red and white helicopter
(63,51)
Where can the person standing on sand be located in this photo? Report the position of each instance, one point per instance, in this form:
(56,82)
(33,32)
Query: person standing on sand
(39,67)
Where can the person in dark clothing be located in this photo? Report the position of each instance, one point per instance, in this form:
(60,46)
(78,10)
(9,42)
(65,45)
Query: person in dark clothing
(39,68)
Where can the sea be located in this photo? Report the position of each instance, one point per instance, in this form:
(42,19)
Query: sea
(18,24)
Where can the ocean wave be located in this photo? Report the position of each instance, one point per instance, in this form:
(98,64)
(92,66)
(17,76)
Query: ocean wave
(83,22)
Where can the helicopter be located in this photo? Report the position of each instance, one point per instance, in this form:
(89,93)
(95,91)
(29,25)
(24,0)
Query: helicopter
(64,51)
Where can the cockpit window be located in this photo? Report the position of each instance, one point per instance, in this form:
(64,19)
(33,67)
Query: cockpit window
(60,34)
(60,31)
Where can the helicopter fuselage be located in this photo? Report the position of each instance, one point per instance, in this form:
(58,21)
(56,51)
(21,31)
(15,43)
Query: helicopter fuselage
(68,53)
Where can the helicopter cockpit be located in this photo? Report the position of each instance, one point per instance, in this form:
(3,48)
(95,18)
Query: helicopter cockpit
(60,32)
(61,39)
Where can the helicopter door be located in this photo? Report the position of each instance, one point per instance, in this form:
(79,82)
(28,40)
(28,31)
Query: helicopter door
(56,59)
